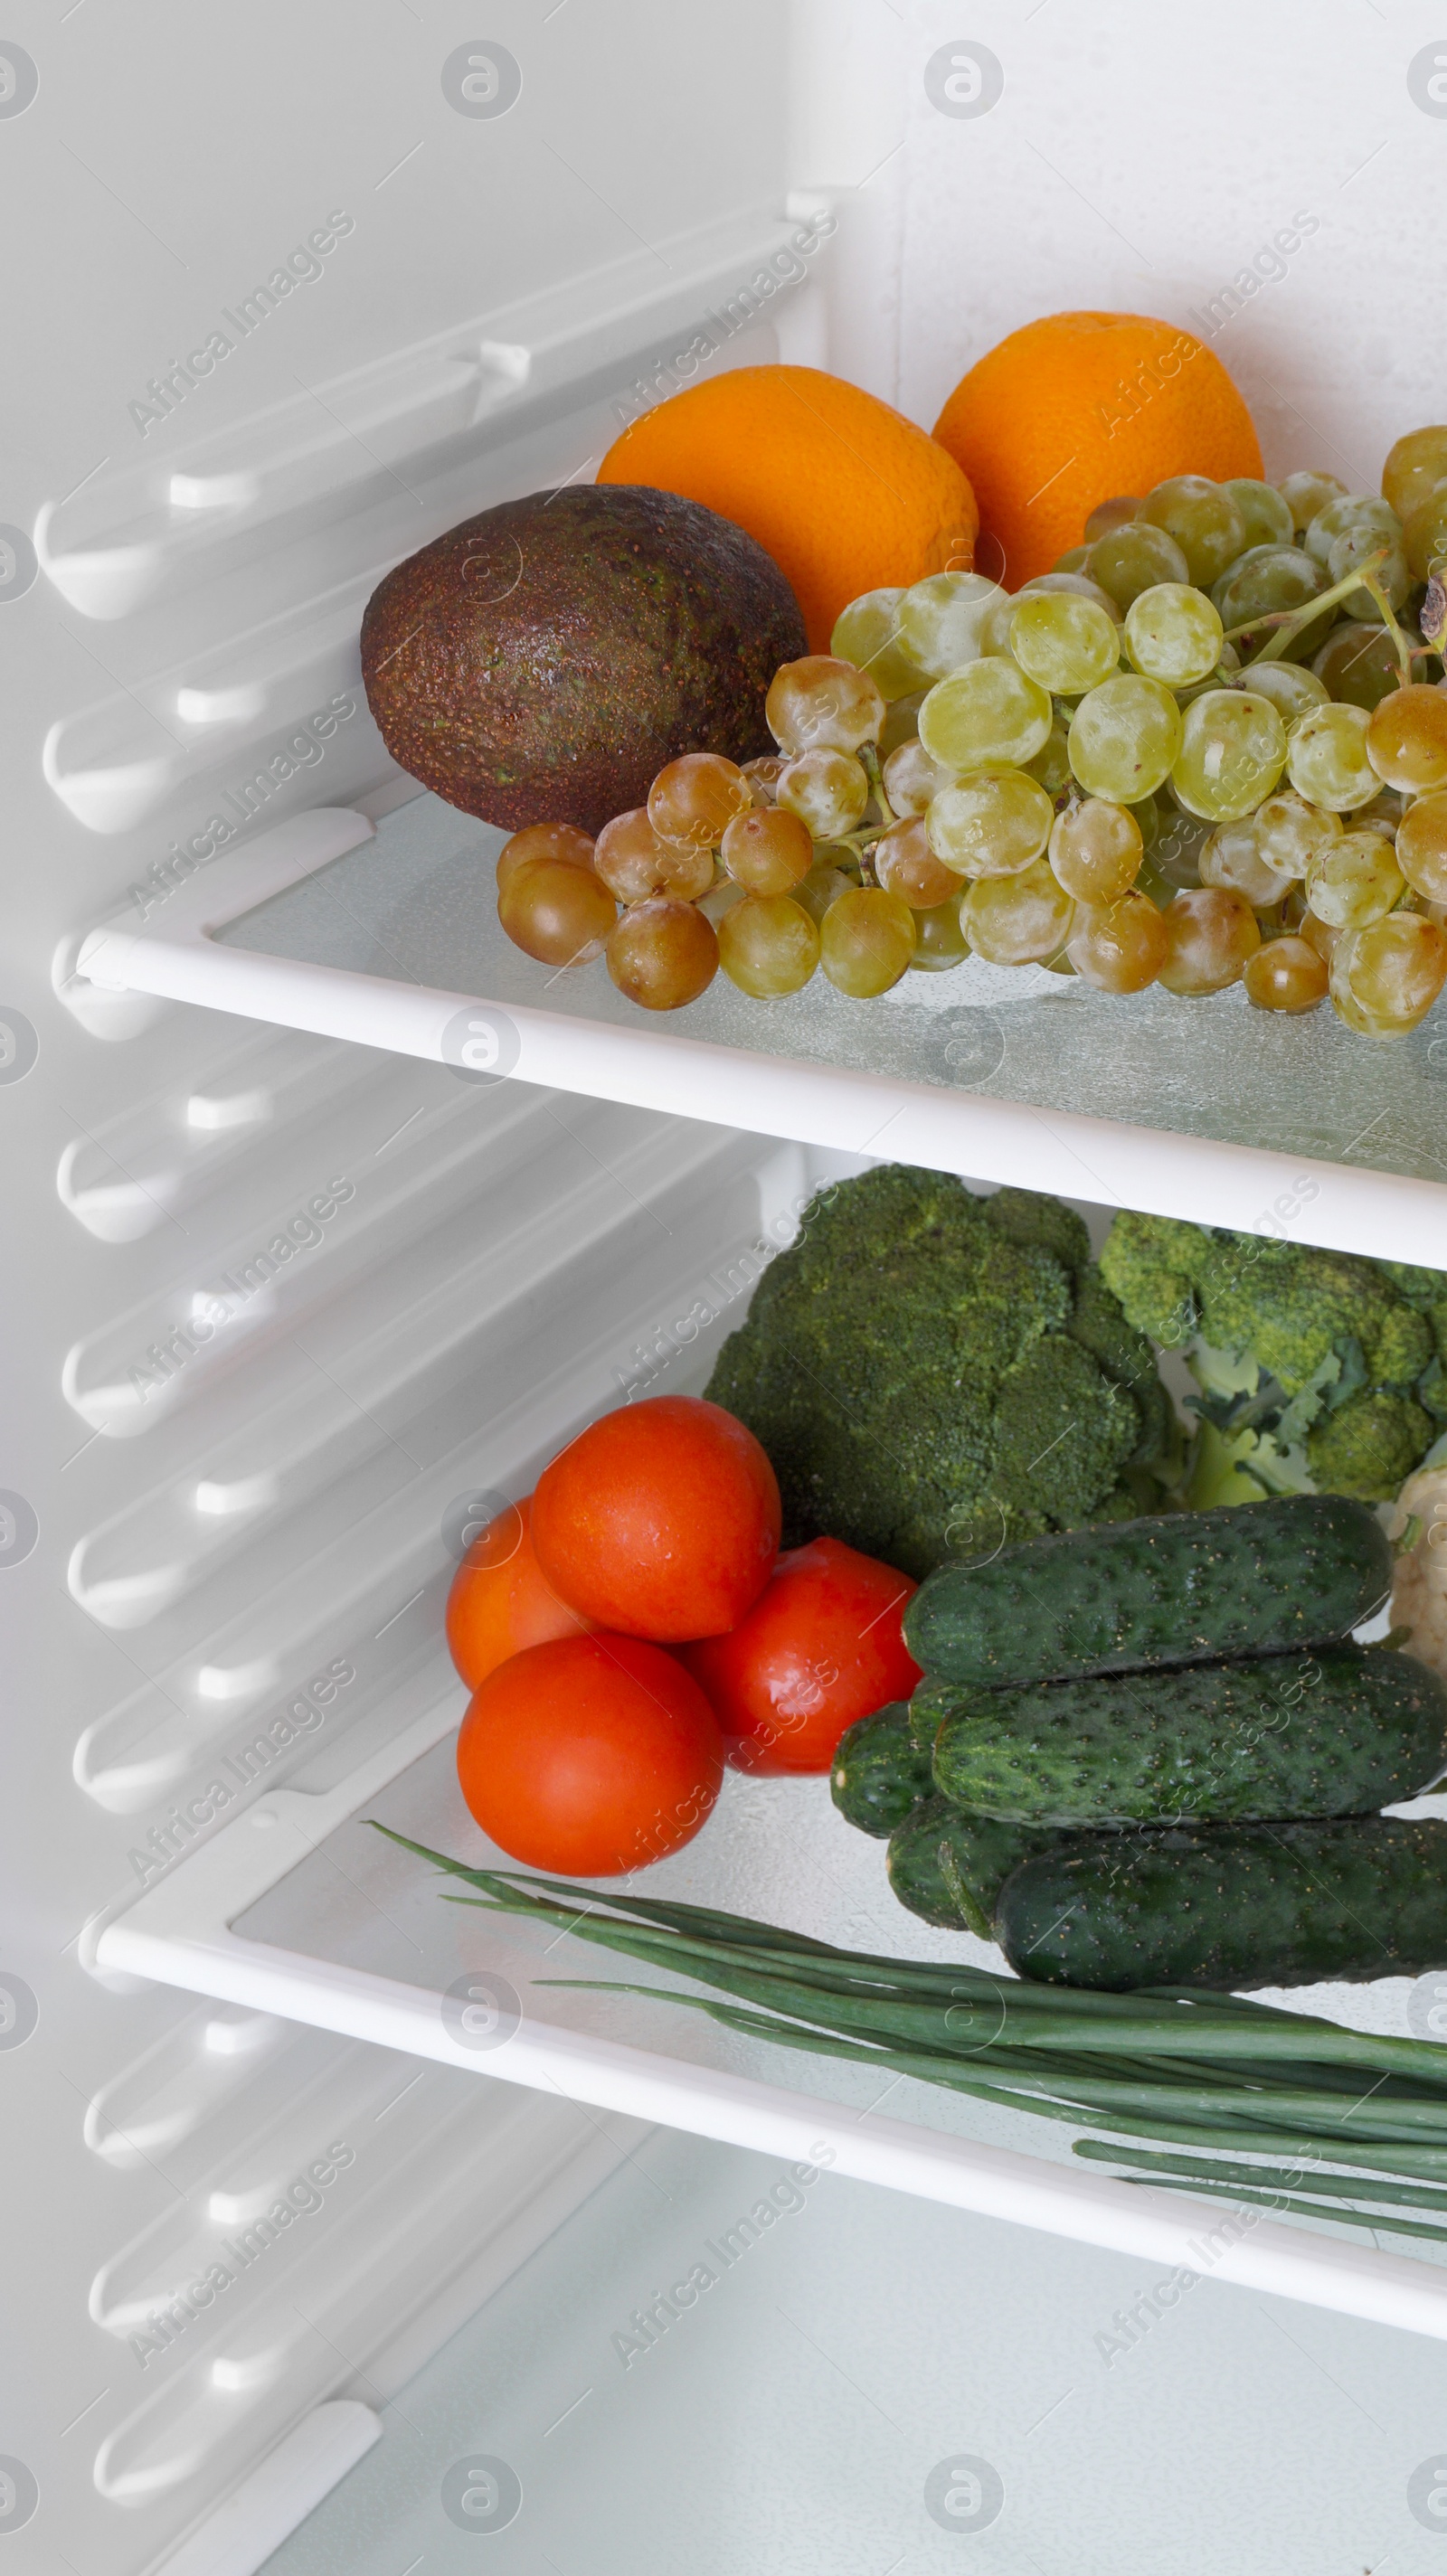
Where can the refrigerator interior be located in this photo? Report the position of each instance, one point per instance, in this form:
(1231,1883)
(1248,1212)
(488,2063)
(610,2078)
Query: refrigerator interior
(867,2382)
(223,1557)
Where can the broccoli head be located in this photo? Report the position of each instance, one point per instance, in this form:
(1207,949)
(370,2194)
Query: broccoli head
(1319,1370)
(931,1372)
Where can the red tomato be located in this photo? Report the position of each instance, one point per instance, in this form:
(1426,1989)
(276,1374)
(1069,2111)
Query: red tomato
(501,1600)
(590,1755)
(820,1647)
(661,1521)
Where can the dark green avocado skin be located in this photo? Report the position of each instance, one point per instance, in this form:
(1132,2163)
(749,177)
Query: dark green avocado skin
(541,662)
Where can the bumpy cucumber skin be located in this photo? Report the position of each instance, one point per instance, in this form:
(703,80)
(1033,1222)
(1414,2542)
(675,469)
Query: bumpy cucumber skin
(879,1773)
(1337,1733)
(949,1868)
(1249,1579)
(1231,1906)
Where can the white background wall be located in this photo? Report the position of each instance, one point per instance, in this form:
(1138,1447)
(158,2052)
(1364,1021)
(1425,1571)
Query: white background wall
(1141,153)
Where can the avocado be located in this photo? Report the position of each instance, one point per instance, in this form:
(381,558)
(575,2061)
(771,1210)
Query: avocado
(541,662)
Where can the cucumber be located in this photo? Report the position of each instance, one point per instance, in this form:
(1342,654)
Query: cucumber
(1231,1905)
(1332,1734)
(879,1773)
(1186,1587)
(949,1867)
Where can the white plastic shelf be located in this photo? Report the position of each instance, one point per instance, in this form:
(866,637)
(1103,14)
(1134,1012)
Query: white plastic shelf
(1200,1109)
(299,1908)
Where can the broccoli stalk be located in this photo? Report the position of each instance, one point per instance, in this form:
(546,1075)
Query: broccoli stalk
(1318,1371)
(933,1374)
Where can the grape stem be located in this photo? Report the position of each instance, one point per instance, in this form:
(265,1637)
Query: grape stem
(1373,587)
(1290,623)
(869,757)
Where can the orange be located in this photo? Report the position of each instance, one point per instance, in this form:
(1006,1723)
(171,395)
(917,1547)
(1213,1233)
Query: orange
(845,494)
(1076,408)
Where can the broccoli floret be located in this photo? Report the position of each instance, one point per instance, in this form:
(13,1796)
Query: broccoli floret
(919,1367)
(1149,1263)
(1028,1216)
(1369,1446)
(1318,1369)
(1126,1356)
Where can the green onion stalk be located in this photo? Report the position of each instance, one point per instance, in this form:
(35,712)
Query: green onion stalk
(1339,2124)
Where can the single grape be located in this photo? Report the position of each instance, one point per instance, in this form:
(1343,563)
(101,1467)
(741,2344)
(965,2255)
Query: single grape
(1416,469)
(1424,536)
(635,864)
(1421,846)
(867,634)
(1111,514)
(991,824)
(1386,977)
(911,778)
(1096,850)
(905,864)
(1067,644)
(1267,582)
(1286,975)
(1203,519)
(692,801)
(1353,880)
(1384,814)
(940,620)
(1407,739)
(1210,933)
(820,704)
(1074,559)
(828,790)
(901,722)
(988,713)
(1134,556)
(1020,920)
(768,946)
(822,886)
(1353,510)
(1290,688)
(1357,665)
(1265,514)
(940,941)
(763,777)
(1289,832)
(1047,585)
(1307,492)
(1124,738)
(555,911)
(1233,857)
(1120,949)
(1326,758)
(1233,750)
(768,850)
(543,841)
(866,941)
(1356,546)
(1173,633)
(663,953)
(1051,766)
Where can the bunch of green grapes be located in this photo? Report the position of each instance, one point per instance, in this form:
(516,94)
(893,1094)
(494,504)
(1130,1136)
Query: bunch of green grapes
(1210,747)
